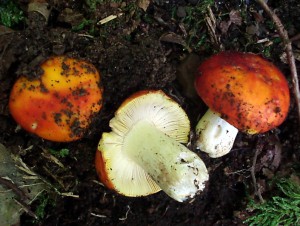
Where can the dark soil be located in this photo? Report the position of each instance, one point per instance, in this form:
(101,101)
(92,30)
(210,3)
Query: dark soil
(134,53)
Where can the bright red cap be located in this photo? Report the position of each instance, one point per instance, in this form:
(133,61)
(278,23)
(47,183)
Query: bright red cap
(248,91)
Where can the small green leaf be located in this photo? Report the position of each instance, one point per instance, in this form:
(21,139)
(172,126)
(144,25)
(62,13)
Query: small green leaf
(62,153)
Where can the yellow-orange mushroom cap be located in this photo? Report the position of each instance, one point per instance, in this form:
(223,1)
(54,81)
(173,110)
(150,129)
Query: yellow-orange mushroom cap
(57,106)
(248,91)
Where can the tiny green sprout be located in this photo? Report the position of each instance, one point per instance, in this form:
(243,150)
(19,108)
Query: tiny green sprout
(92,4)
(62,153)
(84,23)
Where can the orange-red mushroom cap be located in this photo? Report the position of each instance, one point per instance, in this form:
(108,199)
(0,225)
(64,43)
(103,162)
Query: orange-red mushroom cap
(248,91)
(58,105)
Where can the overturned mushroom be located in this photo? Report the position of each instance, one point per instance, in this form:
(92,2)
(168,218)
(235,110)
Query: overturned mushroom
(143,153)
(243,92)
(59,105)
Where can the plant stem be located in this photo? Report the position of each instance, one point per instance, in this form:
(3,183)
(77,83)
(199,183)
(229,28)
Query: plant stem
(258,150)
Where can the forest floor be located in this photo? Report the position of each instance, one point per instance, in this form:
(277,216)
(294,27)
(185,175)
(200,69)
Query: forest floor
(146,45)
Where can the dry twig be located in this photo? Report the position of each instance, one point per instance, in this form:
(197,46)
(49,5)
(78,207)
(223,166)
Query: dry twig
(26,208)
(288,49)
(258,150)
(20,193)
(9,184)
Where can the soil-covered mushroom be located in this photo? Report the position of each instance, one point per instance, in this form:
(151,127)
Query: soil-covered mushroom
(144,152)
(243,92)
(59,105)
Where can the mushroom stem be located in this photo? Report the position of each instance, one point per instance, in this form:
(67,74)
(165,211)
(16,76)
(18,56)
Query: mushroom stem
(215,135)
(178,171)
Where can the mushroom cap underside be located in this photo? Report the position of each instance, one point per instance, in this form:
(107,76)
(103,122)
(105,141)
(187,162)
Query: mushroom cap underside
(115,169)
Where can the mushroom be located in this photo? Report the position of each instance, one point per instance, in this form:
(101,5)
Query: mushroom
(243,92)
(59,104)
(144,152)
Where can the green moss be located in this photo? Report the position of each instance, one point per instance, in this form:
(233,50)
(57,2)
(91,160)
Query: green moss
(10,14)
(193,22)
(43,201)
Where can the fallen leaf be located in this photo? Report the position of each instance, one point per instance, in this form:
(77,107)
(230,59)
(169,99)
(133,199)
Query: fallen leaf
(257,16)
(5,30)
(186,75)
(172,38)
(71,17)
(224,26)
(235,17)
(143,4)
(27,186)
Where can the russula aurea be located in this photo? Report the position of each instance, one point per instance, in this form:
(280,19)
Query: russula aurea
(243,92)
(58,105)
(143,153)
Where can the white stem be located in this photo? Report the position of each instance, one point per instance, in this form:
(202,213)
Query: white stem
(178,171)
(215,135)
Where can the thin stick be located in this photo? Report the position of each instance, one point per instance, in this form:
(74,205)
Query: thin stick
(258,149)
(288,49)
(26,208)
(9,184)
(23,197)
